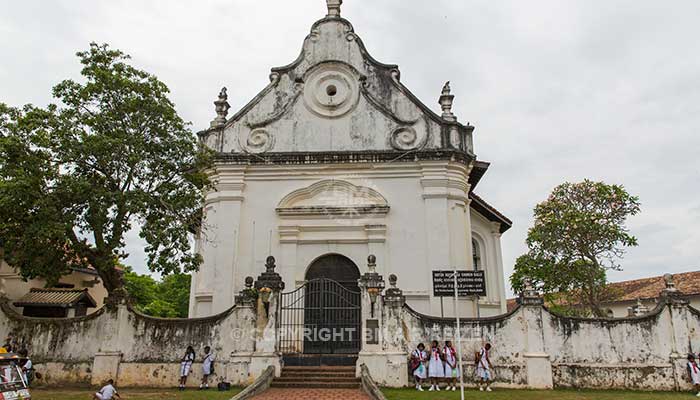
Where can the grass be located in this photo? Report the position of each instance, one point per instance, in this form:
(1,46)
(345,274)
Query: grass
(391,394)
(505,394)
(134,394)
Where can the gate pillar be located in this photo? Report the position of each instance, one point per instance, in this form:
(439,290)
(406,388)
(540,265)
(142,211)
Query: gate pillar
(382,351)
(268,285)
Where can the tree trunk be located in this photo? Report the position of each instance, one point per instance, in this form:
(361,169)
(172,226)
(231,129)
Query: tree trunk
(111,278)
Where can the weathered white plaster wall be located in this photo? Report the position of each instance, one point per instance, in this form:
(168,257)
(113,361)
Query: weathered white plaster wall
(531,347)
(534,348)
(133,349)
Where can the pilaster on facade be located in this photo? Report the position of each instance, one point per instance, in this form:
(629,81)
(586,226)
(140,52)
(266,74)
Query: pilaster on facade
(228,184)
(498,263)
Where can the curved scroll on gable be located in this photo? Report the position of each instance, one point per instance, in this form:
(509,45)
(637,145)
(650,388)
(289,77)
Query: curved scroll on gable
(335,97)
(332,197)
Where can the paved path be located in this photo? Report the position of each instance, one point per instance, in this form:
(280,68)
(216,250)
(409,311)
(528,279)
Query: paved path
(312,394)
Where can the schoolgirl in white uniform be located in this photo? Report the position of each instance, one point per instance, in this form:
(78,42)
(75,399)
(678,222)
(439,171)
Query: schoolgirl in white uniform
(436,369)
(694,371)
(418,359)
(186,366)
(483,368)
(451,367)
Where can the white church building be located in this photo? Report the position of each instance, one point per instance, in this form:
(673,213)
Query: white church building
(334,160)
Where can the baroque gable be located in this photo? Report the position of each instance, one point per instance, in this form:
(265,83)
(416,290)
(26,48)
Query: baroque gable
(335,97)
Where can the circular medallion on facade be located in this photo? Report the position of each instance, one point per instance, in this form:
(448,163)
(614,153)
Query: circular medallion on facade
(404,138)
(331,90)
(259,141)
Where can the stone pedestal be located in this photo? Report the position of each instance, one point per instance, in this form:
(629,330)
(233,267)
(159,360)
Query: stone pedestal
(539,370)
(105,366)
(269,286)
(383,350)
(386,368)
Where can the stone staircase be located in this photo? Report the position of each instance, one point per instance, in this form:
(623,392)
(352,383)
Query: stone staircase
(317,378)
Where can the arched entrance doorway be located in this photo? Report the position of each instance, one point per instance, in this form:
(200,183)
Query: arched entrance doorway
(321,319)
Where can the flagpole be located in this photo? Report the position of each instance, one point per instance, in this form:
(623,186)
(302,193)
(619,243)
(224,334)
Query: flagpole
(459,340)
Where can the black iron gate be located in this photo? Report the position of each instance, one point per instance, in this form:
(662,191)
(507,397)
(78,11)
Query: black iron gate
(320,317)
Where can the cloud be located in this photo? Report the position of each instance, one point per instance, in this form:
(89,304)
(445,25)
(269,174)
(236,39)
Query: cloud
(557,90)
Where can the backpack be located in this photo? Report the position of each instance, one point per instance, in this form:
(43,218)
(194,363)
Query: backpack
(415,361)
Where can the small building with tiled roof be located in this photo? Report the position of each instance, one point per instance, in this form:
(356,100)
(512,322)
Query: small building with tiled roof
(646,292)
(643,294)
(13,286)
(55,303)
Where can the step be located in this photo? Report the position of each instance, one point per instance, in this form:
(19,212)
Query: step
(319,369)
(314,385)
(303,375)
(320,360)
(294,379)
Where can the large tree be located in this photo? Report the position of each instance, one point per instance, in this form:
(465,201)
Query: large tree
(578,235)
(111,155)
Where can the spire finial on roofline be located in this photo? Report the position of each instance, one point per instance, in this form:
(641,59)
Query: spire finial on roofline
(333,8)
(446,98)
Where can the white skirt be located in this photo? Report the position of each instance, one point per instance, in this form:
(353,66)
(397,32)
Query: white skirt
(185,367)
(420,372)
(435,368)
(483,373)
(451,372)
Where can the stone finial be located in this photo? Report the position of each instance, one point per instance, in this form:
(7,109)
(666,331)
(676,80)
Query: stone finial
(371,281)
(334,8)
(446,99)
(671,294)
(246,296)
(529,295)
(270,264)
(670,285)
(371,263)
(270,279)
(394,296)
(221,107)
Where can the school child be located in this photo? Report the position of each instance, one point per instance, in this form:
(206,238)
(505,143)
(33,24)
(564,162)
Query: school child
(207,368)
(694,371)
(186,366)
(436,369)
(27,366)
(451,368)
(418,360)
(483,368)
(107,392)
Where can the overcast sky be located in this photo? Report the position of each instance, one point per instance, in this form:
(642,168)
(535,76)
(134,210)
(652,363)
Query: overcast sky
(558,90)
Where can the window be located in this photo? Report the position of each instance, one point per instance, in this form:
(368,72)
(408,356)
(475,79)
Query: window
(476,255)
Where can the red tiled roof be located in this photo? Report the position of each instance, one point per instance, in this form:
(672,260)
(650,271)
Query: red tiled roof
(649,288)
(490,212)
(688,283)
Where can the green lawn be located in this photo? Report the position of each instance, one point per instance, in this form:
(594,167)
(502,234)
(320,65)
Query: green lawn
(505,394)
(135,394)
